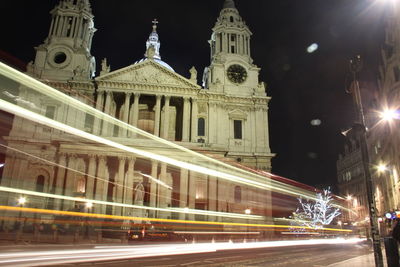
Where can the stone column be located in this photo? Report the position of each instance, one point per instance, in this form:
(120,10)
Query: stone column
(61,169)
(253,131)
(101,183)
(212,195)
(183,192)
(165,129)
(162,194)
(153,187)
(136,109)
(194,120)
(157,112)
(185,120)
(70,182)
(126,111)
(90,181)
(192,192)
(119,185)
(107,110)
(212,123)
(128,195)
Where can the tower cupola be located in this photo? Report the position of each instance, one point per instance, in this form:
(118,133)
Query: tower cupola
(65,53)
(230,33)
(154,42)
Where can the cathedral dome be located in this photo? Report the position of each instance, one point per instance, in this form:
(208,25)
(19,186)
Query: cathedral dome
(158,61)
(153,48)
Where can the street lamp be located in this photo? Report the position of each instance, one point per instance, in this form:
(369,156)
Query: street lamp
(361,130)
(247,212)
(18,227)
(88,206)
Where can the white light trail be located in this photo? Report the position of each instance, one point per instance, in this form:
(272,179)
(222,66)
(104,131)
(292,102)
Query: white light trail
(56,95)
(102,253)
(156,180)
(24,113)
(116,204)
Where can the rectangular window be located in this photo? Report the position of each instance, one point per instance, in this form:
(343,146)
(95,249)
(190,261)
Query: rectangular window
(201,127)
(396,72)
(50,112)
(237,129)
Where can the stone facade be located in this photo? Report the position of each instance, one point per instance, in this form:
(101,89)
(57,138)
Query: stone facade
(227,118)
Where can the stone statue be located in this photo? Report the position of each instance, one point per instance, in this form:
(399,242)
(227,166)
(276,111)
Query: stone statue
(151,52)
(104,67)
(193,75)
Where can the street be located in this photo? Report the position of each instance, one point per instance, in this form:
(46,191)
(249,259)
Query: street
(277,253)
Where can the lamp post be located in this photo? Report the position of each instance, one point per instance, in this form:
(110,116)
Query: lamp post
(248,212)
(88,206)
(361,130)
(21,202)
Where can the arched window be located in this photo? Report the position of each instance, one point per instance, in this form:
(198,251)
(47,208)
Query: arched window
(238,194)
(40,183)
(231,19)
(80,186)
(201,125)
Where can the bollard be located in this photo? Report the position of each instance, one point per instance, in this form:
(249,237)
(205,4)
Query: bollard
(392,252)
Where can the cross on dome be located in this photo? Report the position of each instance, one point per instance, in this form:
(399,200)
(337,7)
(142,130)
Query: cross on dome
(155,22)
(229,4)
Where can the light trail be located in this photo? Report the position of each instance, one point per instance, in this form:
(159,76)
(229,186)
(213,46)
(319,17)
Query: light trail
(156,180)
(185,222)
(109,253)
(55,94)
(19,111)
(116,204)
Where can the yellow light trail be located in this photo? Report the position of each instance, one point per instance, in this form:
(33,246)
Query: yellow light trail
(116,204)
(119,217)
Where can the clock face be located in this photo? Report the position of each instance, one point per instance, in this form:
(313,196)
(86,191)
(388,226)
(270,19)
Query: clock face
(236,73)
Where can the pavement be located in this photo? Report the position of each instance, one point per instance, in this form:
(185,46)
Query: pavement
(367,260)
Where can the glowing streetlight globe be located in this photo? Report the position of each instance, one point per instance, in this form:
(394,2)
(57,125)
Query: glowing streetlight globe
(21,200)
(247,211)
(382,168)
(389,115)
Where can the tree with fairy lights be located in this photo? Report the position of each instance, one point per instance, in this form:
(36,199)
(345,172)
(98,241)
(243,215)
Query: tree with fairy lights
(316,214)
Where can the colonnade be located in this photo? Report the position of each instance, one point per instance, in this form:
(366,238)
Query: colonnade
(129,113)
(98,176)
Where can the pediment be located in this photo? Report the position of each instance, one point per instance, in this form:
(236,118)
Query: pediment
(238,114)
(150,73)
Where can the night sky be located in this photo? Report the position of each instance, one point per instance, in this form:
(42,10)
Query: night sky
(303,86)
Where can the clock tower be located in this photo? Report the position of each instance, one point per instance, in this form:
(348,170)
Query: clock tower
(232,71)
(65,54)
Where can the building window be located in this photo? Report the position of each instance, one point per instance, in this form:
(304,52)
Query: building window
(50,112)
(238,194)
(80,186)
(237,129)
(396,72)
(40,183)
(231,19)
(201,127)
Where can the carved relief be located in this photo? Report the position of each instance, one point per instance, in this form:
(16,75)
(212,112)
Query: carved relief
(202,107)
